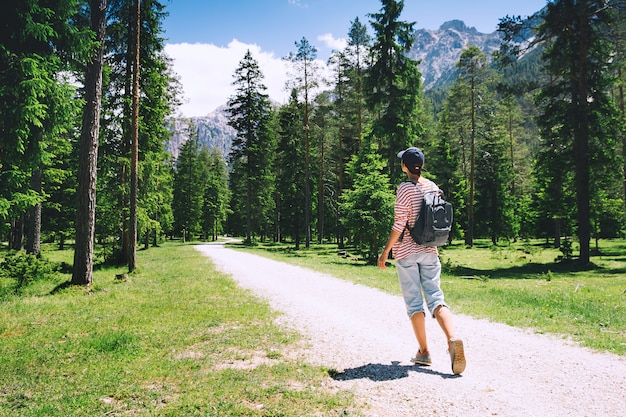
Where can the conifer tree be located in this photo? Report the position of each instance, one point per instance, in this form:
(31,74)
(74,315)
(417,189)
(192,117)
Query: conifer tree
(368,206)
(393,82)
(216,196)
(305,81)
(159,90)
(155,197)
(38,41)
(517,138)
(188,187)
(134,152)
(253,148)
(618,35)
(290,188)
(446,156)
(577,56)
(349,67)
(494,177)
(473,71)
(89,139)
(322,132)
(356,53)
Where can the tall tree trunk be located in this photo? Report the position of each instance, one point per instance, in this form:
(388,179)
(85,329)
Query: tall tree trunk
(134,160)
(248,209)
(127,139)
(469,236)
(155,241)
(33,243)
(341,228)
(87,169)
(307,169)
(320,191)
(623,134)
(581,143)
(16,235)
(124,239)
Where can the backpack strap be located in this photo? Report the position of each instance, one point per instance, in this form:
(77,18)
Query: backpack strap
(406,227)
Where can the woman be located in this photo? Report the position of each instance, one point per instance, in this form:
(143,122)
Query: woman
(419,268)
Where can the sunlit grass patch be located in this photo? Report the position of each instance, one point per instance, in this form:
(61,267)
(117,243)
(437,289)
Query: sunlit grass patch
(176,338)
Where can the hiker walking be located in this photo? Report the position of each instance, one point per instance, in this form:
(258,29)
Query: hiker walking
(419,268)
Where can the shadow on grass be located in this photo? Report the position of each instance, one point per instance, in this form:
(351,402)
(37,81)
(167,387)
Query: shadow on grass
(532,270)
(62,286)
(379,372)
(349,256)
(328,255)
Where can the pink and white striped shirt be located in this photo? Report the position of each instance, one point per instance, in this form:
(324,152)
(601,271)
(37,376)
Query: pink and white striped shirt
(406,209)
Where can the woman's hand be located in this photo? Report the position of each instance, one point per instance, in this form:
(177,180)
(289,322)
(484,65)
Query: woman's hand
(382,260)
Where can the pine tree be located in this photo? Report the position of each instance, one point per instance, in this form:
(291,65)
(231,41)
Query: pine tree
(494,177)
(37,41)
(253,148)
(577,54)
(155,197)
(322,132)
(159,90)
(290,188)
(445,159)
(188,187)
(134,153)
(368,206)
(520,161)
(393,82)
(305,81)
(89,139)
(349,68)
(216,196)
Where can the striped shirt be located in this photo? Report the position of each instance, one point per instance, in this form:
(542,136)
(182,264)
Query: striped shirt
(406,209)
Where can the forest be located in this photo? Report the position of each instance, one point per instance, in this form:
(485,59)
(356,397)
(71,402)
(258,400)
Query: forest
(528,143)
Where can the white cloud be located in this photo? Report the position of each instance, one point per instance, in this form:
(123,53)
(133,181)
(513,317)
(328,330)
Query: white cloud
(206,73)
(333,43)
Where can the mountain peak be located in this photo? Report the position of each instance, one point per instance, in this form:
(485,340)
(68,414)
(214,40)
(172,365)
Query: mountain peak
(457,25)
(439,50)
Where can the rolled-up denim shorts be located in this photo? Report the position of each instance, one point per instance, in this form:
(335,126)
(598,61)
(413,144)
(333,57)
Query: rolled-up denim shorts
(420,279)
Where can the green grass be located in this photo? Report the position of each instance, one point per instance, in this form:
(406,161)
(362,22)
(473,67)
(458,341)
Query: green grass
(177,338)
(520,285)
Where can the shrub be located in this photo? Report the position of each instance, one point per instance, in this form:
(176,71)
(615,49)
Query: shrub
(24,268)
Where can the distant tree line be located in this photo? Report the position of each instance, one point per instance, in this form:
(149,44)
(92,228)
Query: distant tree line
(523,147)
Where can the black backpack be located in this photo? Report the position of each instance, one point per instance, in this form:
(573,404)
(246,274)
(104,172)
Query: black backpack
(433,225)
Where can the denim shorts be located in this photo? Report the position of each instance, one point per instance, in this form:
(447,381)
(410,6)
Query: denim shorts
(420,273)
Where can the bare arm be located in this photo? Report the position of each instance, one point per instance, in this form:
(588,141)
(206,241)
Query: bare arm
(393,237)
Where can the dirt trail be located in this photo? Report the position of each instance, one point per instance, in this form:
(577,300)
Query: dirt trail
(365,335)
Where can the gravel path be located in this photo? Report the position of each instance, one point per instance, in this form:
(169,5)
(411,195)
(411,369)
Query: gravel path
(366,336)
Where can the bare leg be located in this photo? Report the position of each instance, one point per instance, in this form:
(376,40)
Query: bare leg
(418,322)
(455,346)
(444,318)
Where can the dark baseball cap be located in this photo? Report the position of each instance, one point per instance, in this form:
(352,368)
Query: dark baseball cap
(413,158)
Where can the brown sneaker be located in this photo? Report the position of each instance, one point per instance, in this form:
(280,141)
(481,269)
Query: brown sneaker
(457,356)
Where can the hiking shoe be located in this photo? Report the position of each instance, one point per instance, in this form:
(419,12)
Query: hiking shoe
(457,356)
(422,359)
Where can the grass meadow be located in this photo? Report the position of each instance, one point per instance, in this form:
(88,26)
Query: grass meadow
(179,338)
(176,338)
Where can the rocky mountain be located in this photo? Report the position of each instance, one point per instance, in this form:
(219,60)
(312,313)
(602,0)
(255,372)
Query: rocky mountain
(213,132)
(437,50)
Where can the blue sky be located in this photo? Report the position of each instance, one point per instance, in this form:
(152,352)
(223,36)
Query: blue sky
(207,38)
